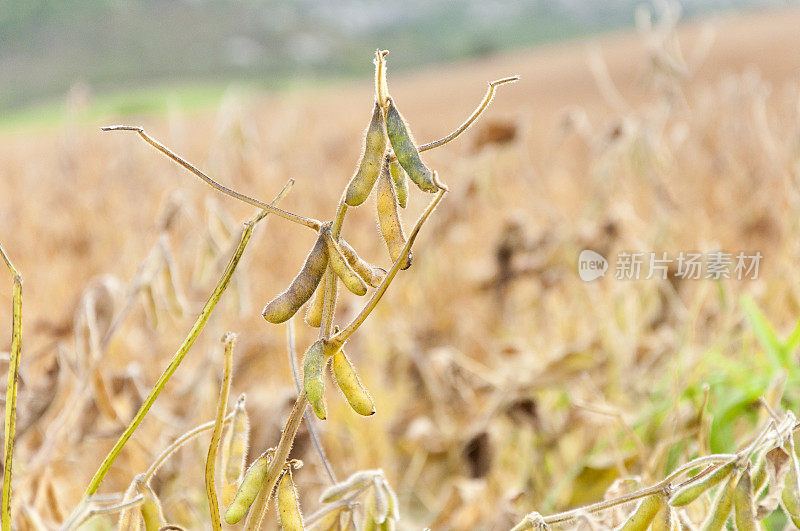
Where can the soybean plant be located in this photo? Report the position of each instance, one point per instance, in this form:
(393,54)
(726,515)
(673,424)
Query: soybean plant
(389,157)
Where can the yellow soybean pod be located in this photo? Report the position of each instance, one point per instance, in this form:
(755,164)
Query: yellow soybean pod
(288,507)
(235,451)
(314,310)
(692,491)
(389,217)
(248,489)
(400,183)
(313,378)
(406,151)
(370,164)
(664,518)
(723,503)
(644,513)
(370,274)
(347,379)
(285,305)
(744,510)
(341,266)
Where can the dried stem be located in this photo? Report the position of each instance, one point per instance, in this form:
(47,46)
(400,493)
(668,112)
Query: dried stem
(213,447)
(177,444)
(201,321)
(259,507)
(339,339)
(11,389)
(307,222)
(487,99)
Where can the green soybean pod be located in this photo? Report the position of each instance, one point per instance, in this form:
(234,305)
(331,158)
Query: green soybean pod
(341,266)
(314,310)
(760,476)
(152,514)
(744,510)
(691,492)
(356,394)
(400,183)
(248,490)
(285,305)
(288,507)
(372,275)
(664,519)
(313,378)
(644,514)
(370,164)
(389,217)
(406,151)
(723,503)
(235,451)
(790,496)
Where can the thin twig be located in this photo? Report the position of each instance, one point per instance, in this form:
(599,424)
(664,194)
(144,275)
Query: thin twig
(177,444)
(213,447)
(307,222)
(487,99)
(310,423)
(339,339)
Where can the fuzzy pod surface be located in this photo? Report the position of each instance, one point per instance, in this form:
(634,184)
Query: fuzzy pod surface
(370,274)
(346,378)
(389,217)
(286,304)
(400,183)
(645,513)
(369,166)
(342,267)
(248,490)
(406,150)
(288,505)
(313,378)
(691,492)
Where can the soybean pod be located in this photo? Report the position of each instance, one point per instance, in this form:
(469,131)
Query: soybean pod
(313,378)
(744,510)
(406,150)
(288,507)
(285,305)
(372,275)
(692,491)
(369,166)
(248,489)
(389,217)
(235,451)
(341,266)
(314,310)
(346,378)
(723,503)
(645,513)
(400,183)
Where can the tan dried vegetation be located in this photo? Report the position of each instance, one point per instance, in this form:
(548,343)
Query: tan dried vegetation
(505,391)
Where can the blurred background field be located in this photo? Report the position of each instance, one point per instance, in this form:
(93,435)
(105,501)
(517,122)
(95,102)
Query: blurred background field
(504,383)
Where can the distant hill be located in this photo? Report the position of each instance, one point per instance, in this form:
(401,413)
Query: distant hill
(111,45)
